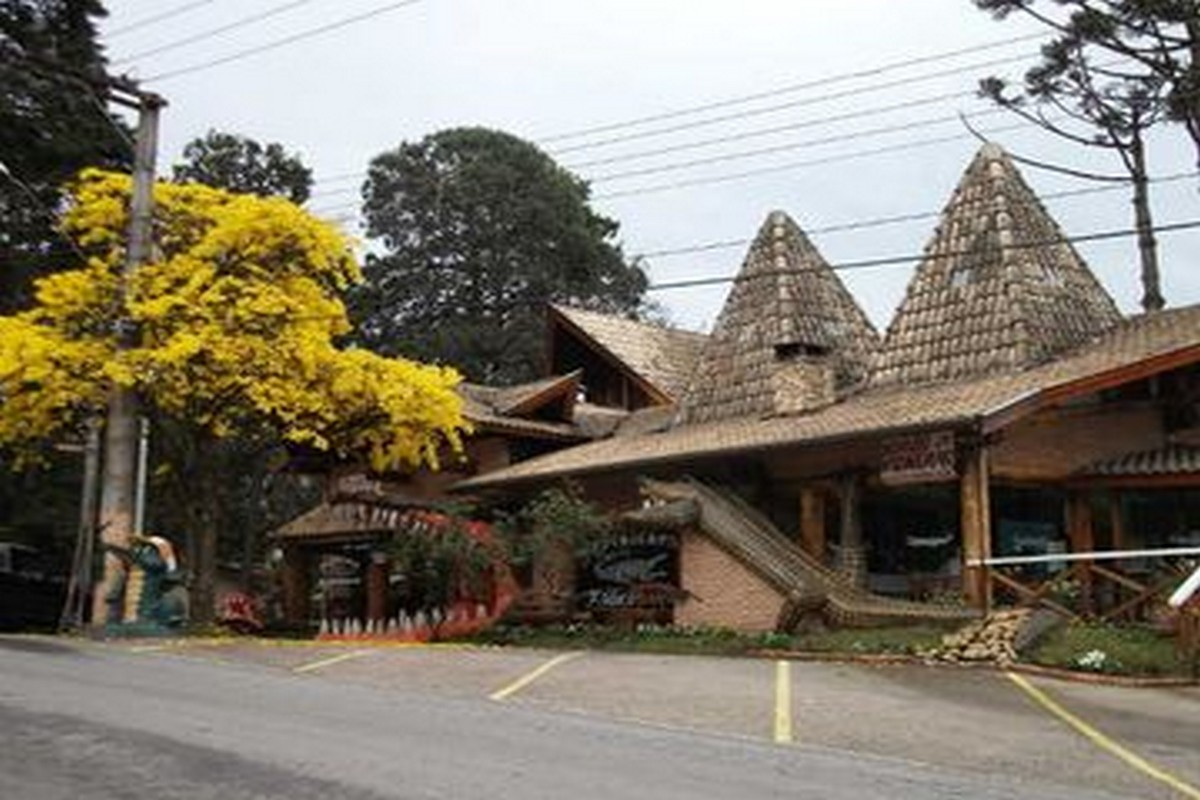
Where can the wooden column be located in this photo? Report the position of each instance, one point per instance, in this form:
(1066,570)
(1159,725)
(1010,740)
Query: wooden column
(851,556)
(812,522)
(295,585)
(1083,540)
(377,588)
(976,524)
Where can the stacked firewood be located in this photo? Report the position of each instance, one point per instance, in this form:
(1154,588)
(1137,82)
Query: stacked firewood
(992,639)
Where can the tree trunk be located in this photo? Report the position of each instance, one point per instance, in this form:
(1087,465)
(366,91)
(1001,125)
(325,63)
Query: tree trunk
(207,518)
(1152,299)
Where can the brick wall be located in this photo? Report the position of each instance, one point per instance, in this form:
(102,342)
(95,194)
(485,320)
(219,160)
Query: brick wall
(723,592)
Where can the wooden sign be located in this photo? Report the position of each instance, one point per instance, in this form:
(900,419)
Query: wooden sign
(920,458)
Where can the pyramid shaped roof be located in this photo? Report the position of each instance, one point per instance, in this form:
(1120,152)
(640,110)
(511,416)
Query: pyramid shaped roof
(786,303)
(998,287)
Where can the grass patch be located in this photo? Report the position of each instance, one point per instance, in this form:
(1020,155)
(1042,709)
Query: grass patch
(711,641)
(1112,650)
(896,640)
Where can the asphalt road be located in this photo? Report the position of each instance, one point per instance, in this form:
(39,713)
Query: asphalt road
(79,722)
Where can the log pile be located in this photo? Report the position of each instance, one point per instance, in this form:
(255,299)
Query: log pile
(991,639)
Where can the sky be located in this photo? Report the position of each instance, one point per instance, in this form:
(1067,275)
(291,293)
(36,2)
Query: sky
(843,111)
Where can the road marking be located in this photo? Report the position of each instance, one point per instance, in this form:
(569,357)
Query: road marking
(1104,742)
(531,676)
(148,648)
(783,702)
(328,662)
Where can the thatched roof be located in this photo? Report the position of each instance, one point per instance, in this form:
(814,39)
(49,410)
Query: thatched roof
(998,289)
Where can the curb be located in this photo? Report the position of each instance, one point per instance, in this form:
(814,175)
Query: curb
(1058,673)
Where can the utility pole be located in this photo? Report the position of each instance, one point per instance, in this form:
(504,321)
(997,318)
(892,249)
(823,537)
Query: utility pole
(118,487)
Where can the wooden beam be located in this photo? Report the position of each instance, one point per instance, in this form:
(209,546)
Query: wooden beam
(295,585)
(812,522)
(1083,540)
(975,516)
(851,557)
(377,587)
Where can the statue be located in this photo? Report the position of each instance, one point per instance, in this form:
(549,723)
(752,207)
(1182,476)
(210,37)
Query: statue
(141,603)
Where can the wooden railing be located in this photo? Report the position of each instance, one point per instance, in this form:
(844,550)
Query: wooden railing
(1101,589)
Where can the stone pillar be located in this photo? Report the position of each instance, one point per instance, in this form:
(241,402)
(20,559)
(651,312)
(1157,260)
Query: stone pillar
(296,587)
(377,587)
(812,522)
(976,524)
(852,557)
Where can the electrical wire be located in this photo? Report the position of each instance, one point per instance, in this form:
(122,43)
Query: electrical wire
(894,261)
(278,43)
(879,222)
(151,20)
(208,34)
(796,87)
(791,146)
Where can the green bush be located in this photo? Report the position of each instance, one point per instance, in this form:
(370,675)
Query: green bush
(1110,649)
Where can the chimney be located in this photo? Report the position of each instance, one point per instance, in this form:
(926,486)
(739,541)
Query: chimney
(803,378)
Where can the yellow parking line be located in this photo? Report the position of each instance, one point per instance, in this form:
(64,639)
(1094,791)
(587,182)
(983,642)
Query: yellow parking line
(1103,742)
(326,662)
(531,676)
(783,702)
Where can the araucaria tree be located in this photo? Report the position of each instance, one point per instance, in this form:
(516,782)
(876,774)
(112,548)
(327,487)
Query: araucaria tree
(1159,37)
(234,322)
(479,230)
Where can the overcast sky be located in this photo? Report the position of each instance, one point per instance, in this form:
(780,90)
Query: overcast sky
(542,68)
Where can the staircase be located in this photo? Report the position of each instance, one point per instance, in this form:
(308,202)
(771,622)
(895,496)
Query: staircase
(808,585)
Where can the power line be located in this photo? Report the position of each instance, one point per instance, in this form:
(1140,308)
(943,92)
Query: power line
(812,162)
(825,81)
(147,21)
(879,222)
(807,101)
(760,132)
(278,43)
(208,34)
(790,146)
(889,261)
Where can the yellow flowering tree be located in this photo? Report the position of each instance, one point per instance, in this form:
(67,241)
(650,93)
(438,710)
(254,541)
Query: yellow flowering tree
(230,331)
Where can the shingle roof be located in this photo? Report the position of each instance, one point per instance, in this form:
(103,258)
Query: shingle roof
(1171,460)
(785,296)
(877,410)
(663,357)
(491,407)
(998,288)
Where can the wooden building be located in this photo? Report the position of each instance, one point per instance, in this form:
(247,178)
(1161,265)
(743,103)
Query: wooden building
(1008,409)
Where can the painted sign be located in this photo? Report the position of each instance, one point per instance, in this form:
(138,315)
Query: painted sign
(631,571)
(919,458)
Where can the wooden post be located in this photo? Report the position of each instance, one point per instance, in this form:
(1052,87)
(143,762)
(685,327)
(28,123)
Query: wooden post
(852,558)
(976,523)
(377,588)
(812,522)
(295,585)
(1083,540)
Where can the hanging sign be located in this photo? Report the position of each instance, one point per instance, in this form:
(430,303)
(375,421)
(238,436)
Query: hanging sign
(919,458)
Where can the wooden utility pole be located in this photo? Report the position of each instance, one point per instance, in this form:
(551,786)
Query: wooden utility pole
(118,486)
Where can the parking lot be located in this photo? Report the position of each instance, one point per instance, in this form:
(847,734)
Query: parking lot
(1133,742)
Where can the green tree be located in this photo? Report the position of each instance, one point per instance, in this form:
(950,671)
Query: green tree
(240,164)
(480,229)
(1161,37)
(52,124)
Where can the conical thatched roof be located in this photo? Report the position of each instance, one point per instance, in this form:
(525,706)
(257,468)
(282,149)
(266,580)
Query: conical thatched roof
(789,334)
(997,290)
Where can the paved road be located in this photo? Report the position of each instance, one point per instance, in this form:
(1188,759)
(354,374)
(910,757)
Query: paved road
(80,722)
